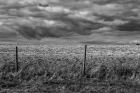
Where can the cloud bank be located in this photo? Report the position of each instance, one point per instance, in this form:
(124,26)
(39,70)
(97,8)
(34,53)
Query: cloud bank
(39,19)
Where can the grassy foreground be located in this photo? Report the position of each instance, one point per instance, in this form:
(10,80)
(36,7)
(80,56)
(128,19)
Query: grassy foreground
(38,73)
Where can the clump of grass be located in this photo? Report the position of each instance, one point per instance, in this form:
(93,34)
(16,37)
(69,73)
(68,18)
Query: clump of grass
(7,75)
(26,73)
(116,72)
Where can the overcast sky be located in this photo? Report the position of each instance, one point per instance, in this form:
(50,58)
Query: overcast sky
(70,21)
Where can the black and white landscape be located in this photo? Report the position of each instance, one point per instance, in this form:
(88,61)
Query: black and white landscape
(69,46)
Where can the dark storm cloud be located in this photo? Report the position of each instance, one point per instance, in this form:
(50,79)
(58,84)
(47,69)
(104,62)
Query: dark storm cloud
(37,32)
(106,18)
(130,26)
(80,27)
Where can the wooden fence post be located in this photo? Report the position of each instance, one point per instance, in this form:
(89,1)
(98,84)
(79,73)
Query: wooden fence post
(16,65)
(84,62)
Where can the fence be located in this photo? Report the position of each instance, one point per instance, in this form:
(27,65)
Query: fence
(84,62)
(84,55)
(73,82)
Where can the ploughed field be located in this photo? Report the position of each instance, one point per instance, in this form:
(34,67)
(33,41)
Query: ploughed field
(109,69)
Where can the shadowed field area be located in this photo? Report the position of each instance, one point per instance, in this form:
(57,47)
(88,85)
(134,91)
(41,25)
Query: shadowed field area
(58,69)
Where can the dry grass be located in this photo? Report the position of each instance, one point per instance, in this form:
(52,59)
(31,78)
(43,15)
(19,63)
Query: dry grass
(103,74)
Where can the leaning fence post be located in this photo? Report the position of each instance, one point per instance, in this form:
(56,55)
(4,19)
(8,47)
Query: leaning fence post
(84,62)
(16,65)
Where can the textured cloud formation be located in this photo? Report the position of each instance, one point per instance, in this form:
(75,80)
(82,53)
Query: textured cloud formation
(58,29)
(130,26)
(39,19)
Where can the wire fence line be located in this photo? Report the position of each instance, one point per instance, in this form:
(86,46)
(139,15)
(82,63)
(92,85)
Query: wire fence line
(84,62)
(87,52)
(80,83)
(56,82)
